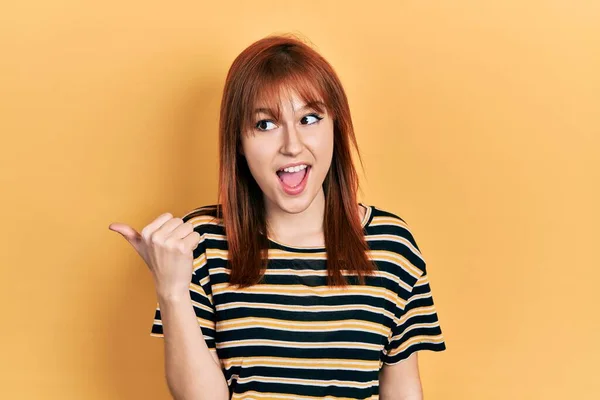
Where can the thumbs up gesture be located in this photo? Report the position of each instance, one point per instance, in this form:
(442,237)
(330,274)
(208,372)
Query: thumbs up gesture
(166,245)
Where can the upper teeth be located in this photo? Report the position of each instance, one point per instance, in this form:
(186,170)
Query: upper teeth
(295,169)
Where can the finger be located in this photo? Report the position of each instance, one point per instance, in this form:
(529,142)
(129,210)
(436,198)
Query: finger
(155,225)
(130,234)
(192,240)
(181,230)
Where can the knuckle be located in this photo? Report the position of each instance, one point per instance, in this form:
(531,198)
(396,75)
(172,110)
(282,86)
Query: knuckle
(172,243)
(156,240)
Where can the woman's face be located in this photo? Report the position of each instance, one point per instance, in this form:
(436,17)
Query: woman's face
(303,137)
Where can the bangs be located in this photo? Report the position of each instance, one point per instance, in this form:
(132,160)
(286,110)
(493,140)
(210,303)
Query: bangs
(269,90)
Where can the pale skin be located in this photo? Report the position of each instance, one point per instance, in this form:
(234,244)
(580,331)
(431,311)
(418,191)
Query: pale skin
(166,245)
(299,136)
(401,381)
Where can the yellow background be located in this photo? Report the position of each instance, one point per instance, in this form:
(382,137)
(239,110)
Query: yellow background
(479,123)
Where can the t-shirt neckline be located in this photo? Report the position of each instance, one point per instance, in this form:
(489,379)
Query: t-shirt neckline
(365,222)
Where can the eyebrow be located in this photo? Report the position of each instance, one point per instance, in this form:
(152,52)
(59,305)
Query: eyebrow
(310,104)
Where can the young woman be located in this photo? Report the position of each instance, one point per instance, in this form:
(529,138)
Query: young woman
(288,288)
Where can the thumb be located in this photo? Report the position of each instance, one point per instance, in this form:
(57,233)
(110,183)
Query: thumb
(130,234)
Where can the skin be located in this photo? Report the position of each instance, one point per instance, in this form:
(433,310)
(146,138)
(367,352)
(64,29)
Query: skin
(297,137)
(401,381)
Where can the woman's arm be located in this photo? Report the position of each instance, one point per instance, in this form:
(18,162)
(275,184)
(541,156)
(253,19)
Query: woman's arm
(191,371)
(401,381)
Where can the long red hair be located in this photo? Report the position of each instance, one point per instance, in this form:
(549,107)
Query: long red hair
(260,72)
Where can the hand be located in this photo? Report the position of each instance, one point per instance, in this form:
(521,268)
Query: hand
(166,245)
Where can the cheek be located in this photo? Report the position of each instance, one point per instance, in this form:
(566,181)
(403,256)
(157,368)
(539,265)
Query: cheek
(258,156)
(322,144)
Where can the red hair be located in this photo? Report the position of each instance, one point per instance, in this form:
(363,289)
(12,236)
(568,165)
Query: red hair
(260,73)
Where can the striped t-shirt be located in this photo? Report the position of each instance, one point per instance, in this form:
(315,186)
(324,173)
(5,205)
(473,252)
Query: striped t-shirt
(293,337)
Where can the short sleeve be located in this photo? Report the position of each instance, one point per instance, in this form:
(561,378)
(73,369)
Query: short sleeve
(416,325)
(200,292)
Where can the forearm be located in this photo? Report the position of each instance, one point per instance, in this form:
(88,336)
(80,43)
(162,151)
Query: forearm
(191,371)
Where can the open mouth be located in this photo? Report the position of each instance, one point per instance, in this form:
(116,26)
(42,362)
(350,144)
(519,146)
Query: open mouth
(293,180)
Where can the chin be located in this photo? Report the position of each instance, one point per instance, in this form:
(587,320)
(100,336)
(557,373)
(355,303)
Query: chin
(294,205)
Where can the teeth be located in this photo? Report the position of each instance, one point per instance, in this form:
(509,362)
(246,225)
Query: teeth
(296,168)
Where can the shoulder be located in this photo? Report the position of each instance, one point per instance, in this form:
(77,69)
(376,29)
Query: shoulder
(381,214)
(387,222)
(207,221)
(389,231)
(207,218)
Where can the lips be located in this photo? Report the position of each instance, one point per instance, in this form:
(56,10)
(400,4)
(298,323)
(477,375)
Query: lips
(293,183)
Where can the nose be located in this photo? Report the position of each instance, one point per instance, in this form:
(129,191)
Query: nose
(292,142)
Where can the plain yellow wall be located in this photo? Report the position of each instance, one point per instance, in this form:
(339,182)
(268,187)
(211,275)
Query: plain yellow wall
(479,124)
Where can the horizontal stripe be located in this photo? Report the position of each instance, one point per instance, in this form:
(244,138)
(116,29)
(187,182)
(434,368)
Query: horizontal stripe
(298,363)
(303,309)
(297,345)
(300,326)
(292,335)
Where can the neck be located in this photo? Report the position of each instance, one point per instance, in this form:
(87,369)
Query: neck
(307,224)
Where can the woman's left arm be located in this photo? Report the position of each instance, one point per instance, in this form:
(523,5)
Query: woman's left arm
(401,381)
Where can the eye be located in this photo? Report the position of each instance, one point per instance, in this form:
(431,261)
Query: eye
(263,124)
(314,117)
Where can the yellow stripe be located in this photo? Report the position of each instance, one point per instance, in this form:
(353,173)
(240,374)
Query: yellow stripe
(303,290)
(423,280)
(199,261)
(295,345)
(430,325)
(203,220)
(306,363)
(201,322)
(215,236)
(200,291)
(294,326)
(382,220)
(206,323)
(398,259)
(416,311)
